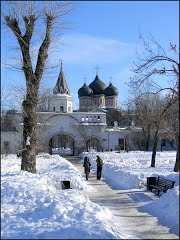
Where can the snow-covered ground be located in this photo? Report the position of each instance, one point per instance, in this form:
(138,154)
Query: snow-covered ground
(34,206)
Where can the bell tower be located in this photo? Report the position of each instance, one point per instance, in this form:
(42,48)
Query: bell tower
(61,101)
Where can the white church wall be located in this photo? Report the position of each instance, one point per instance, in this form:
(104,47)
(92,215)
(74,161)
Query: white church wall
(71,125)
(110,138)
(90,117)
(58,101)
(10,142)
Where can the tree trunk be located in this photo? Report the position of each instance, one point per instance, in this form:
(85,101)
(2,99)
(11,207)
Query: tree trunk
(147,143)
(146,133)
(29,130)
(153,159)
(32,83)
(176,167)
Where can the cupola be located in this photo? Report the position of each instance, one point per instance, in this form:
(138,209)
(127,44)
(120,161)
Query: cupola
(85,91)
(97,86)
(111,90)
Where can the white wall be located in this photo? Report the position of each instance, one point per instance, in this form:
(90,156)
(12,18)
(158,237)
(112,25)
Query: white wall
(60,100)
(14,139)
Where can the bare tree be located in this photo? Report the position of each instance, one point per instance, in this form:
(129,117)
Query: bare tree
(153,62)
(172,124)
(144,115)
(161,107)
(6,100)
(113,115)
(21,17)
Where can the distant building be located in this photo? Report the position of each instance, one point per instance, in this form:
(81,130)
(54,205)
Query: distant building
(60,130)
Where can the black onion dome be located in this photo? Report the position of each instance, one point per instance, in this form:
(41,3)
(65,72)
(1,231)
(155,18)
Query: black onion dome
(97,86)
(85,91)
(111,90)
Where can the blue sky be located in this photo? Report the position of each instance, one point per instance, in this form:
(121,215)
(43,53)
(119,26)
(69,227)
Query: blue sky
(103,33)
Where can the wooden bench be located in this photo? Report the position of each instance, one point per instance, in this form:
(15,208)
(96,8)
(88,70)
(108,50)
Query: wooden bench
(160,184)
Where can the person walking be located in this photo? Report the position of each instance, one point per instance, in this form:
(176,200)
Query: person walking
(86,166)
(100,164)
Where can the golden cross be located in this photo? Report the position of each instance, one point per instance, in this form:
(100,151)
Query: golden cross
(110,80)
(61,62)
(84,79)
(97,68)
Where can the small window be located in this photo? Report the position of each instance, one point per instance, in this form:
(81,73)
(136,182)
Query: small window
(94,119)
(6,144)
(61,109)
(54,109)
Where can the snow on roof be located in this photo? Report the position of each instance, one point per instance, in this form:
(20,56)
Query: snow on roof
(41,124)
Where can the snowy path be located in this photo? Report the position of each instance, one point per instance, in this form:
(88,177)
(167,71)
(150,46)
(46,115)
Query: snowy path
(131,223)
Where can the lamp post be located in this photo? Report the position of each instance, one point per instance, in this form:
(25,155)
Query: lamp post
(108,138)
(124,144)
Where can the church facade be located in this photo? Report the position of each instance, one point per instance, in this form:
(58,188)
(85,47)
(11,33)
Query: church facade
(61,130)
(97,96)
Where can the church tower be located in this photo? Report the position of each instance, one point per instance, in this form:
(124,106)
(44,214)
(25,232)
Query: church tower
(61,101)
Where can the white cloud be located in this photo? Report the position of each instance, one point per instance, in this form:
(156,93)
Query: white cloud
(83,50)
(122,76)
(87,49)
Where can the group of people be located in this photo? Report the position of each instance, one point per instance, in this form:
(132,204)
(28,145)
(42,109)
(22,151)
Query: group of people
(87,166)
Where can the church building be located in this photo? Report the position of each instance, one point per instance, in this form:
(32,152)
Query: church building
(61,130)
(74,131)
(97,96)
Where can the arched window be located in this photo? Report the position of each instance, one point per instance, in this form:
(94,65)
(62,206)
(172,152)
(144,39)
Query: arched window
(92,143)
(61,109)
(54,109)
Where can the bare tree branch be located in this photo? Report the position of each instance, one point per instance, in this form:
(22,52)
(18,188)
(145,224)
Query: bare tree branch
(29,12)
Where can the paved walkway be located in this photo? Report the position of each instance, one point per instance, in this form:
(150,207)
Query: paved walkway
(131,223)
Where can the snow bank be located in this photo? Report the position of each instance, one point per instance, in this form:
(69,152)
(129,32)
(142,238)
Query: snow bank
(34,206)
(130,171)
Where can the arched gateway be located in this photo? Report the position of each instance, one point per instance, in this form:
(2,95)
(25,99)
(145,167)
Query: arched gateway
(61,144)
(93,143)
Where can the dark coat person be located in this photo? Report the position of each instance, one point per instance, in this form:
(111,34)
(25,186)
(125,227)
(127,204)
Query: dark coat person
(86,166)
(100,164)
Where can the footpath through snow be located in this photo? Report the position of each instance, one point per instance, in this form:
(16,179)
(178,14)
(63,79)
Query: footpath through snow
(34,206)
(128,222)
